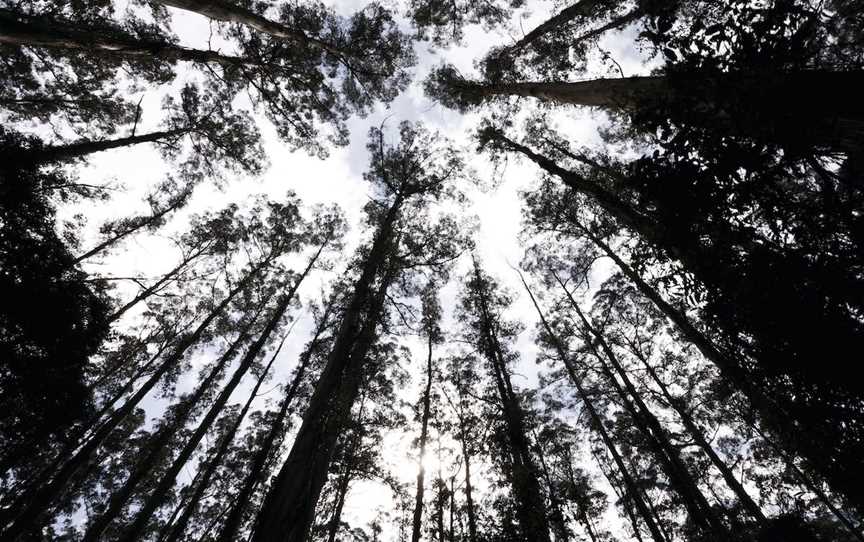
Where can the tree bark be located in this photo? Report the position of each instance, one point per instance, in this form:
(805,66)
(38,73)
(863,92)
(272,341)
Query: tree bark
(30,32)
(48,489)
(60,153)
(259,460)
(424,426)
(288,509)
(631,489)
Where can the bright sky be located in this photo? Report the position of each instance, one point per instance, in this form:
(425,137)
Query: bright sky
(338,180)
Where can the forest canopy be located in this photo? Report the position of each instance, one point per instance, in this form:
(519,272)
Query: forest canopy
(498,271)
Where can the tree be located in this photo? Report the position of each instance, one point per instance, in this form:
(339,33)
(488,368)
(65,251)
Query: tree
(407,177)
(432,331)
(53,320)
(274,234)
(482,305)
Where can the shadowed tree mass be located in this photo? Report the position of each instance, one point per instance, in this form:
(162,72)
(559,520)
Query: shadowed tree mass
(671,355)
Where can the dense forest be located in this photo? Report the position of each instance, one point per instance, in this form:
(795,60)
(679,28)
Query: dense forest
(451,271)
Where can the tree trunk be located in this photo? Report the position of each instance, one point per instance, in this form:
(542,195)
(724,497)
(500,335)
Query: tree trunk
(610,202)
(156,286)
(60,153)
(424,426)
(582,8)
(694,431)
(47,490)
(32,32)
(166,480)
(157,448)
(341,493)
(220,10)
(632,490)
(288,509)
(256,471)
(557,511)
(667,455)
(530,504)
(829,96)
(175,204)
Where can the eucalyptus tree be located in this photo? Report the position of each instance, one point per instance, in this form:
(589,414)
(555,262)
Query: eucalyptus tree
(443,23)
(52,320)
(802,418)
(307,83)
(481,308)
(462,375)
(431,329)
(271,233)
(408,238)
(329,231)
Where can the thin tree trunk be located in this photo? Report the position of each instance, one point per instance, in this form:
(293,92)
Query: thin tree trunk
(424,426)
(219,10)
(59,153)
(166,480)
(213,462)
(153,288)
(530,507)
(610,202)
(156,448)
(336,518)
(255,475)
(632,490)
(287,512)
(557,512)
(48,489)
(697,506)
(32,32)
(158,215)
(694,431)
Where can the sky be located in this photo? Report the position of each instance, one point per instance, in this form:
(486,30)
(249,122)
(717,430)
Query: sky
(338,179)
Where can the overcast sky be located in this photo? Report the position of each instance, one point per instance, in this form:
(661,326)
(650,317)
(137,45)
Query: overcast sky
(337,179)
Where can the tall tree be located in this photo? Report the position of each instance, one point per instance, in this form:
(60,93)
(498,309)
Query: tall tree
(431,329)
(408,176)
(482,305)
